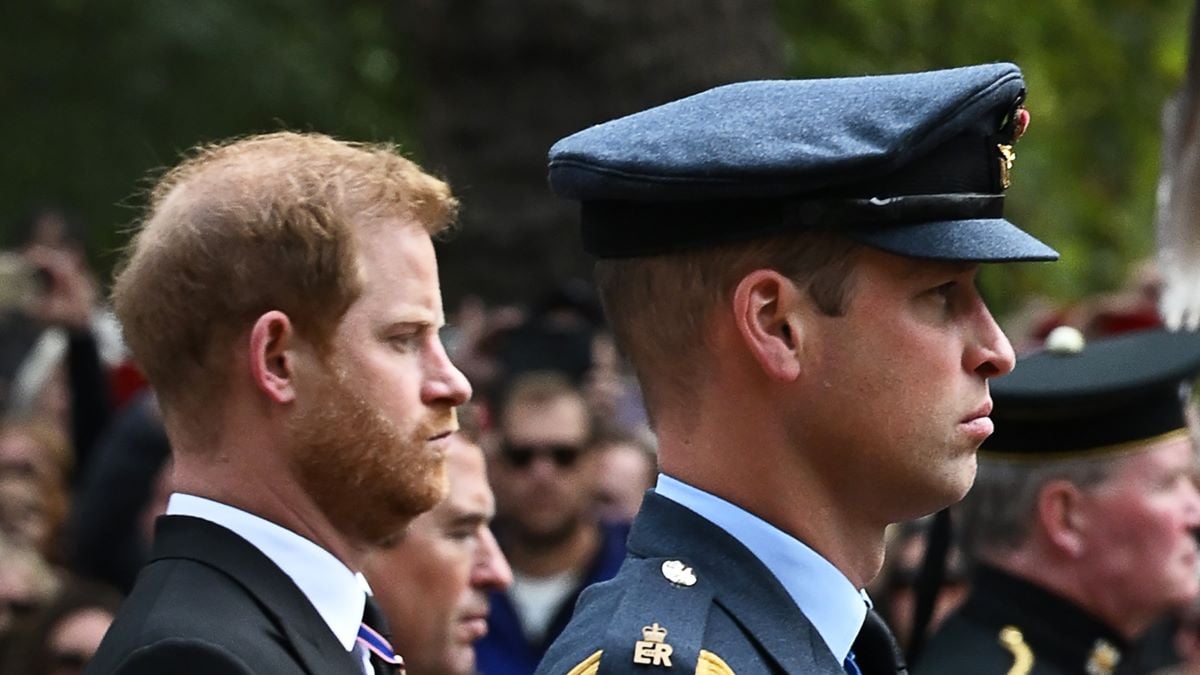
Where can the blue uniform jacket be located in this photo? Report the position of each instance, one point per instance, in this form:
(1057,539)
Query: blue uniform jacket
(689,598)
(505,651)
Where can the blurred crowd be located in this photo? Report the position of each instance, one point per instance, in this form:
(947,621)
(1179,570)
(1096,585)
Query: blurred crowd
(568,453)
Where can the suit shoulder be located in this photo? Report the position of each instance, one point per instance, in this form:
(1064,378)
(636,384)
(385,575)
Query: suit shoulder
(654,612)
(184,656)
(179,606)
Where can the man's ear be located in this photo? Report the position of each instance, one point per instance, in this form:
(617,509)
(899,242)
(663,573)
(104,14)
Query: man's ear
(766,311)
(272,359)
(1061,515)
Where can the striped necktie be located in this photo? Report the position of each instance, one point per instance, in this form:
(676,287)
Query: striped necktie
(385,659)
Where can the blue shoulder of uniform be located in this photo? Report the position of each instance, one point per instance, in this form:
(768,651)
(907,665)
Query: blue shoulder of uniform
(650,617)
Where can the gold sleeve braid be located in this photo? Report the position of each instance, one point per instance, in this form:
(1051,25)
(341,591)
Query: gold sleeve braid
(711,664)
(588,666)
(1014,641)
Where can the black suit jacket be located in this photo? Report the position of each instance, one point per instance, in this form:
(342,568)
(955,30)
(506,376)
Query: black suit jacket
(210,602)
(734,616)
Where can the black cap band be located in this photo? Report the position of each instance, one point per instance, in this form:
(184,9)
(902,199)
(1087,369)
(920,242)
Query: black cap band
(619,229)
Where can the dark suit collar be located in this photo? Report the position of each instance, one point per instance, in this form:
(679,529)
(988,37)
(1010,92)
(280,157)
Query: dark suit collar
(741,583)
(198,540)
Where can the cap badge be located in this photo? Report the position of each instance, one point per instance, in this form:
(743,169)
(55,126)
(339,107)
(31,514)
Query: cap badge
(1065,341)
(1007,156)
(1103,659)
(678,573)
(652,649)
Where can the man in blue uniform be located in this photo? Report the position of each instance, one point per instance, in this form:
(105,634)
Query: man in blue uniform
(790,267)
(1082,521)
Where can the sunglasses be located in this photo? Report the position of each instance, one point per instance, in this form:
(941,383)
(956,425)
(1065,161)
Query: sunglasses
(522,456)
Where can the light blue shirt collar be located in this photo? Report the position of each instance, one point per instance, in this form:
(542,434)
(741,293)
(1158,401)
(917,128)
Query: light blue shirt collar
(338,594)
(826,597)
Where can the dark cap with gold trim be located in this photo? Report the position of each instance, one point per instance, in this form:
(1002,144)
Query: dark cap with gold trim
(1076,399)
(915,164)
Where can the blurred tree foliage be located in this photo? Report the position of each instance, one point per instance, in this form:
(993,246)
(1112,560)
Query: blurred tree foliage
(99,95)
(96,95)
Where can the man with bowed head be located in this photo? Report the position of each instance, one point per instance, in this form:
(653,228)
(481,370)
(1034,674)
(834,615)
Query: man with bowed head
(282,297)
(790,267)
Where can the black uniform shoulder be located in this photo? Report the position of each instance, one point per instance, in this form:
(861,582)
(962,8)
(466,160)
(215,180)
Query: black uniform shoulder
(654,612)
(962,646)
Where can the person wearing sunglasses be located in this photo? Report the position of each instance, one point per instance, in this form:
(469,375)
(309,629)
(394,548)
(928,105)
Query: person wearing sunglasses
(790,266)
(544,477)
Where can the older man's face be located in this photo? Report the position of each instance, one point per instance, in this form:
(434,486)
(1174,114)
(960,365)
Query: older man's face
(1139,527)
(433,585)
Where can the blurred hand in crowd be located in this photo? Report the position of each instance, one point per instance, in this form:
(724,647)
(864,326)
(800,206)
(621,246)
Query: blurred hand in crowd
(68,290)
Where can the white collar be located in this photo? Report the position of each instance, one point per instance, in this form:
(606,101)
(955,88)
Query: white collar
(824,595)
(338,594)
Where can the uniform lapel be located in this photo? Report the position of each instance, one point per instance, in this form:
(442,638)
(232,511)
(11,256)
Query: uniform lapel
(741,583)
(282,602)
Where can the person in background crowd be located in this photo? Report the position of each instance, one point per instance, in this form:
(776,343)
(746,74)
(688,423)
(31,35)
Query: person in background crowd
(35,469)
(794,285)
(108,540)
(1082,523)
(282,297)
(61,637)
(26,583)
(545,479)
(436,579)
(894,590)
(625,469)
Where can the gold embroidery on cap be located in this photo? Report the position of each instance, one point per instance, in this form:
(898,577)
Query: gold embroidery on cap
(1007,156)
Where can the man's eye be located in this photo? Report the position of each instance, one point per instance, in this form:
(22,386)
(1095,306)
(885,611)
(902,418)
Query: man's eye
(404,339)
(947,289)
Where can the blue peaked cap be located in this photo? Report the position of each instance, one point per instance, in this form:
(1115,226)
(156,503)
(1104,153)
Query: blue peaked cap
(910,164)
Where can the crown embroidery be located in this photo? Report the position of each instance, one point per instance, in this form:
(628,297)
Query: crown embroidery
(652,649)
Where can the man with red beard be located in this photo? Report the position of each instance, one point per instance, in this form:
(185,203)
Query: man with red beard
(282,297)
(545,481)
(1082,520)
(435,581)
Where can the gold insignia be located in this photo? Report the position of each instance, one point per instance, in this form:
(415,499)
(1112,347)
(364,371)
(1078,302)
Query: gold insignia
(711,664)
(652,649)
(678,573)
(1103,659)
(588,666)
(1014,641)
(1007,156)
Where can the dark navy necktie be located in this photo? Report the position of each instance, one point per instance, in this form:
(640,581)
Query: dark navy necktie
(851,665)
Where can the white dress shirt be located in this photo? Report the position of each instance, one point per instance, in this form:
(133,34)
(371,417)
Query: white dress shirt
(832,604)
(338,594)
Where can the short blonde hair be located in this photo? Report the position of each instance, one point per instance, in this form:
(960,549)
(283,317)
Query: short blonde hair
(253,225)
(659,306)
